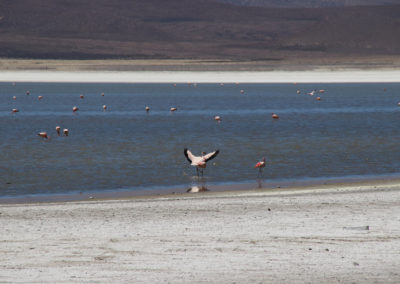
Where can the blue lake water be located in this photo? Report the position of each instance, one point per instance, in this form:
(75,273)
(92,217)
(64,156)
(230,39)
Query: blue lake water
(354,130)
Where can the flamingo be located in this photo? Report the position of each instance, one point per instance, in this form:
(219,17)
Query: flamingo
(217,118)
(82,96)
(275,116)
(27,93)
(58,128)
(14,97)
(321,91)
(200,162)
(242,91)
(173,109)
(318,98)
(40,97)
(43,134)
(75,109)
(260,165)
(104,107)
(311,93)
(15,110)
(102,94)
(147,108)
(65,131)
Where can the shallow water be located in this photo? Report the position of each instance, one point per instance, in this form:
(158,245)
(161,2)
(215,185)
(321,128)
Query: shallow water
(353,130)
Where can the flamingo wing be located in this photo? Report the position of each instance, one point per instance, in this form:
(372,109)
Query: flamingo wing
(189,156)
(210,156)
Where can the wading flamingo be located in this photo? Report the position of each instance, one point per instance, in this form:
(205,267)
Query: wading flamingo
(200,162)
(260,165)
(58,129)
(275,116)
(43,135)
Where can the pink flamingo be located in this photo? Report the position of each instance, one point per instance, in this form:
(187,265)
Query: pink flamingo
(43,134)
(275,116)
(200,162)
(260,165)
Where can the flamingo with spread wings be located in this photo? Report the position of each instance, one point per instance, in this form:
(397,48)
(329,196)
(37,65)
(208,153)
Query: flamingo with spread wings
(200,162)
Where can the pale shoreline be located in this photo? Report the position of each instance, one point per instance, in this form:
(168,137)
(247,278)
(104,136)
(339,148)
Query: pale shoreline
(278,76)
(346,233)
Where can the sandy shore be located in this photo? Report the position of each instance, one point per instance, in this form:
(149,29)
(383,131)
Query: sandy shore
(313,76)
(319,234)
(385,70)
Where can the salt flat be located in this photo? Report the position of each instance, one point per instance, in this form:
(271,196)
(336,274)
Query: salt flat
(329,234)
(278,76)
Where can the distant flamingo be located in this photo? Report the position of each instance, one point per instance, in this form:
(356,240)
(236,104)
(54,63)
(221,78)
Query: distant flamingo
(298,92)
(15,110)
(102,94)
(27,93)
(43,135)
(311,93)
(66,131)
(242,91)
(217,118)
(40,97)
(173,109)
(104,107)
(82,96)
(147,108)
(318,98)
(58,128)
(275,116)
(75,109)
(260,165)
(321,91)
(14,97)
(200,162)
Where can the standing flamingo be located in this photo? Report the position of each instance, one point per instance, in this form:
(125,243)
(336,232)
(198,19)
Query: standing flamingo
(65,131)
(260,165)
(200,162)
(58,129)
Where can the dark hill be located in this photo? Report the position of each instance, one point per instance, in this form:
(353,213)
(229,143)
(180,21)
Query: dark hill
(310,3)
(196,29)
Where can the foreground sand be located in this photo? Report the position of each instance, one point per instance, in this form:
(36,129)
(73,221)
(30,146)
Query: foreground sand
(314,235)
